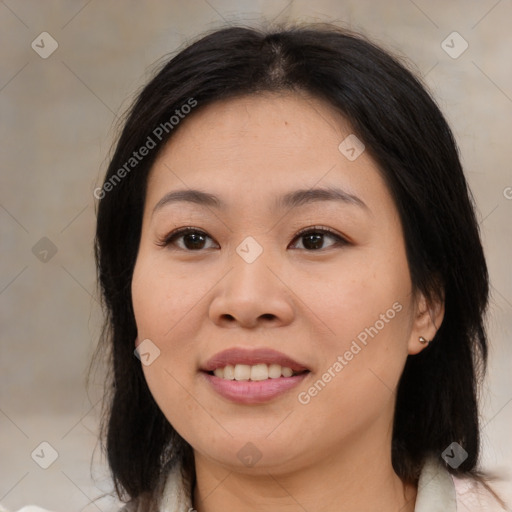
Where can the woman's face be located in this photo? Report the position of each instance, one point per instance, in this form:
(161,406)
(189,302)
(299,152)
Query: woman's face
(259,288)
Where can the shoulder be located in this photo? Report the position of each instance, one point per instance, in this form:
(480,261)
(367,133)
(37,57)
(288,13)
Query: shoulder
(473,495)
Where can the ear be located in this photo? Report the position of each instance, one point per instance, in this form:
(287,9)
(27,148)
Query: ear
(427,320)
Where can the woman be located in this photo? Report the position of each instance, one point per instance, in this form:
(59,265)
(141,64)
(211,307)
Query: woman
(294,283)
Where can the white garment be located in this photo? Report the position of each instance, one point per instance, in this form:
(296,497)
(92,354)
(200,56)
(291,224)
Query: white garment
(438,491)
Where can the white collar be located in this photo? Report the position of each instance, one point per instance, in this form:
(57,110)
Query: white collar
(436,491)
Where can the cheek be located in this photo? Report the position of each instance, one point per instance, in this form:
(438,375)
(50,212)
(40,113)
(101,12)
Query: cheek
(366,307)
(163,298)
(365,292)
(359,372)
(163,304)
(169,388)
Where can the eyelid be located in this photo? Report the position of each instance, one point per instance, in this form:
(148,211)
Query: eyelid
(322,229)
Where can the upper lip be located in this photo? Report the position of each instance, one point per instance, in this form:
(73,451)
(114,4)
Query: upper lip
(234,356)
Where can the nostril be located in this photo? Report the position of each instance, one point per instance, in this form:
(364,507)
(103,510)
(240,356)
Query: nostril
(268,316)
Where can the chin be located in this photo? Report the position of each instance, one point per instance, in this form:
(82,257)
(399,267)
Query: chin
(252,454)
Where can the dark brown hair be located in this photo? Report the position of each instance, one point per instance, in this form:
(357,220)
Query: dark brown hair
(389,109)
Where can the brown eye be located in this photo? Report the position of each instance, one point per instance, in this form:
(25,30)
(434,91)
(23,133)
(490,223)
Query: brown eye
(191,239)
(314,238)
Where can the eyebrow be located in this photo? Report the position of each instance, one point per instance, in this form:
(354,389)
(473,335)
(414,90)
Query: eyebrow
(292,199)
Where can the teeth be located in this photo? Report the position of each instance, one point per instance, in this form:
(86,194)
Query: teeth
(286,372)
(259,372)
(219,372)
(274,371)
(255,372)
(229,372)
(242,372)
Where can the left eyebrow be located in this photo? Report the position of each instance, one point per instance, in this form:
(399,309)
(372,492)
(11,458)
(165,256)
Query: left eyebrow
(305,196)
(289,200)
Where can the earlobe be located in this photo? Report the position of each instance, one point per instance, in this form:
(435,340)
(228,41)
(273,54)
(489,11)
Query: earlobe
(427,321)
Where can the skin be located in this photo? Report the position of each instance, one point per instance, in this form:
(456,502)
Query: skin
(333,453)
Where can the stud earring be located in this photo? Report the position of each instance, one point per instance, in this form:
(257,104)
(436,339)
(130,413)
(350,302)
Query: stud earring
(423,341)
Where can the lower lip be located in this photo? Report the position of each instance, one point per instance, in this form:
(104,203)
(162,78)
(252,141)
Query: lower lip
(253,392)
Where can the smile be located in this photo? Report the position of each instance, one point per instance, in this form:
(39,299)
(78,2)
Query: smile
(252,376)
(255,372)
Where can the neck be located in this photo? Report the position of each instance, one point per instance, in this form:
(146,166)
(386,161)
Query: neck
(360,479)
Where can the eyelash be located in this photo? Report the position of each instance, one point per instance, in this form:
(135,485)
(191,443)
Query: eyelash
(171,237)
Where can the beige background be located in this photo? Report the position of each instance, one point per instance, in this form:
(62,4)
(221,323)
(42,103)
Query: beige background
(57,123)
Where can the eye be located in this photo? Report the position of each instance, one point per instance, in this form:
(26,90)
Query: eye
(192,239)
(313,238)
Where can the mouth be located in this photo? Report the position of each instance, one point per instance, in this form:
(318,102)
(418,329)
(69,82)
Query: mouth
(252,376)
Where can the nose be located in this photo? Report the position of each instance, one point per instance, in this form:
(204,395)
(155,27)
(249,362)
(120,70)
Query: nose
(251,295)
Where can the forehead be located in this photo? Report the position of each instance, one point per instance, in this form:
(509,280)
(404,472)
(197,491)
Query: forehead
(262,144)
(270,119)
